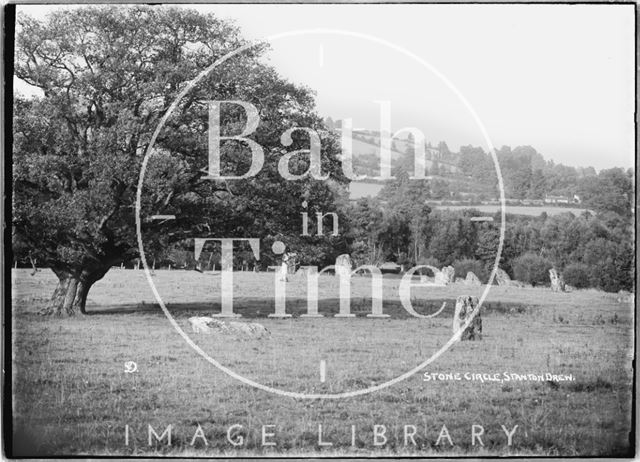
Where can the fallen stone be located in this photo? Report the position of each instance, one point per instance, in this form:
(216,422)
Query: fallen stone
(472,280)
(208,325)
(465,305)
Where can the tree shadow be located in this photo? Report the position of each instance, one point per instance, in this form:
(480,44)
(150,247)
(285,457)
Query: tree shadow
(256,307)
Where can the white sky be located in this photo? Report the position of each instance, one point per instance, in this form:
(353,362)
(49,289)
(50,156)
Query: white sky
(557,77)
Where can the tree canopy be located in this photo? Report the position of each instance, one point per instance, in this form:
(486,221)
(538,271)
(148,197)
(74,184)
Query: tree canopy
(107,75)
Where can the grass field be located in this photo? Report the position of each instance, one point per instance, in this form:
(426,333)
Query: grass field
(358,189)
(362,189)
(72,394)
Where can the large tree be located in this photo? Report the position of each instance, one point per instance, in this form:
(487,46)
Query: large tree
(107,75)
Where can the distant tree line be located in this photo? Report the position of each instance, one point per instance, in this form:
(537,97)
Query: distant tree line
(590,250)
(527,175)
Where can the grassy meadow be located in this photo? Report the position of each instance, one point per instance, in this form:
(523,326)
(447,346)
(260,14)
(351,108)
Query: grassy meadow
(71,394)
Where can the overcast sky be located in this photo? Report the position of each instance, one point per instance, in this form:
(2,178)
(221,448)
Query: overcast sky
(557,77)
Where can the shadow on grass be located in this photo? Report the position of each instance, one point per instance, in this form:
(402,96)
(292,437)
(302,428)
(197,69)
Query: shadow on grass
(262,307)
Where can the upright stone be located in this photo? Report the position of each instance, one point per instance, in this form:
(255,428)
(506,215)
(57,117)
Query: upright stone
(465,304)
(557,281)
(343,265)
(502,278)
(445,276)
(283,272)
(450,272)
(472,280)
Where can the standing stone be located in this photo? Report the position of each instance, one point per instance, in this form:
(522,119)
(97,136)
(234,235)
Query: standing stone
(445,276)
(557,281)
(450,272)
(472,280)
(343,265)
(284,270)
(465,304)
(440,279)
(502,278)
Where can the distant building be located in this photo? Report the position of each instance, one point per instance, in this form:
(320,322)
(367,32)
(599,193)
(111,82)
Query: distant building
(556,200)
(532,202)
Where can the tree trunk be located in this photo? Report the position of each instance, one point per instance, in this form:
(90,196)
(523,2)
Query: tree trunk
(80,301)
(62,298)
(70,296)
(33,265)
(57,299)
